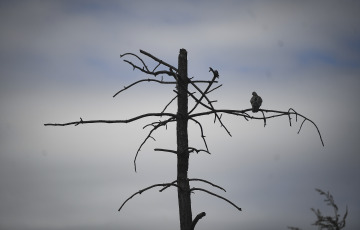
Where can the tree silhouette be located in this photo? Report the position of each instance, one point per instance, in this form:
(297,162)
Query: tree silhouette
(327,222)
(181,81)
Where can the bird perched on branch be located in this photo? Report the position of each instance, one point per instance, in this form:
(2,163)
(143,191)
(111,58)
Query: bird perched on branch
(255,102)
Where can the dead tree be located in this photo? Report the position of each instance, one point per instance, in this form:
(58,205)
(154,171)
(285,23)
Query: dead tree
(181,81)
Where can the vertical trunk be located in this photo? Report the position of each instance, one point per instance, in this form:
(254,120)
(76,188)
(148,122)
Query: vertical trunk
(182,144)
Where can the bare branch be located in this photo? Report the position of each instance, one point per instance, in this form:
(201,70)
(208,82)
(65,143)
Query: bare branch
(264,118)
(290,116)
(159,124)
(214,89)
(144,80)
(307,119)
(197,218)
(158,60)
(192,149)
(169,103)
(228,111)
(198,101)
(216,75)
(201,131)
(149,72)
(166,150)
(211,107)
(145,189)
(113,121)
(169,185)
(207,182)
(156,67)
(204,81)
(137,58)
(218,196)
(247,116)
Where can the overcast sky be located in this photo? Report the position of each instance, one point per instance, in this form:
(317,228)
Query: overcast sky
(60,60)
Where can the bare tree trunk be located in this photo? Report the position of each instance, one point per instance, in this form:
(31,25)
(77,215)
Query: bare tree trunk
(182,144)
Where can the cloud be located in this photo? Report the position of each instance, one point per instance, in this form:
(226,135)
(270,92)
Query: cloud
(60,61)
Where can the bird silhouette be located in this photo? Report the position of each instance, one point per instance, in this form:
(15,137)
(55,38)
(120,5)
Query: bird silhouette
(255,102)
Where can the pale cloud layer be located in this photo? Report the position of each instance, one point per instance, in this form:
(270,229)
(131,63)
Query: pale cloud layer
(59,60)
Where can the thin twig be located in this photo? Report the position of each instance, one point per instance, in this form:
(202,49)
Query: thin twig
(159,124)
(169,103)
(192,149)
(201,132)
(264,118)
(145,189)
(214,89)
(144,80)
(137,58)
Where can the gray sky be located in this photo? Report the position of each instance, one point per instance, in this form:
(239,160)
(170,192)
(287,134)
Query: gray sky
(59,60)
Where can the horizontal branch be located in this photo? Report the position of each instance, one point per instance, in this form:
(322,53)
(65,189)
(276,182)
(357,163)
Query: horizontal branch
(112,121)
(216,195)
(277,113)
(204,81)
(228,111)
(145,189)
(165,150)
